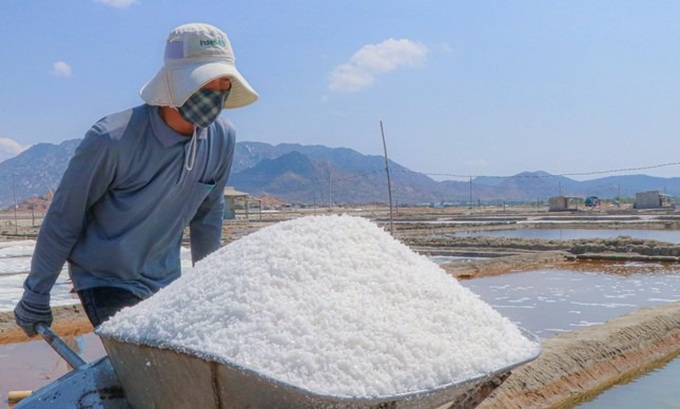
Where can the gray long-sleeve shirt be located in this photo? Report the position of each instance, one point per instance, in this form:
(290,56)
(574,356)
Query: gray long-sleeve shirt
(120,210)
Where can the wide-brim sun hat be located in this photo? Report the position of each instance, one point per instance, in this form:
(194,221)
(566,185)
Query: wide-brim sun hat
(196,54)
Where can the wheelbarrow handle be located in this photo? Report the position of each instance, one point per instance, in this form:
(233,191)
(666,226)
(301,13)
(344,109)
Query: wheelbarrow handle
(58,344)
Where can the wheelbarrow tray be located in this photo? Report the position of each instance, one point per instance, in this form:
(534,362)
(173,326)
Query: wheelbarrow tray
(94,385)
(153,377)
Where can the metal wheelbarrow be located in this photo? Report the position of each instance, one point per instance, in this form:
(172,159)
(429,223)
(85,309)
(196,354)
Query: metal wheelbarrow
(88,385)
(153,377)
(137,376)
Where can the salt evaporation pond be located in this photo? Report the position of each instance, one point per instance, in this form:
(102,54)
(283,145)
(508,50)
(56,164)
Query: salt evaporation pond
(331,304)
(656,390)
(548,302)
(669,236)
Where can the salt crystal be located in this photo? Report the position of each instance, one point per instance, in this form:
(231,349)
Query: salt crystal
(331,304)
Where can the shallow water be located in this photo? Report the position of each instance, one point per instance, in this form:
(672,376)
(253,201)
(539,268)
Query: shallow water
(34,364)
(449,259)
(547,302)
(656,390)
(670,236)
(551,301)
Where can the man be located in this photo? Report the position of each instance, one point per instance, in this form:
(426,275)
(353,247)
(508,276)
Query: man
(138,178)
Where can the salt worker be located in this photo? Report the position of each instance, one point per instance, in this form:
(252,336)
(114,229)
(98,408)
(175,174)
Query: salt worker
(137,180)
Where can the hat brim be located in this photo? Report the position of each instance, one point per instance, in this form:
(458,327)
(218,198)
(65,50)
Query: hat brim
(173,85)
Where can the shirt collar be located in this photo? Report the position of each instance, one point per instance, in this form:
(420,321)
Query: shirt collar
(168,136)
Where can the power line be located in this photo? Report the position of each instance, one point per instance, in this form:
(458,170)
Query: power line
(589,173)
(467,176)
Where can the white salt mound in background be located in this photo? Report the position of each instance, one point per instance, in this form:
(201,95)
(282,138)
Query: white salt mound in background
(331,304)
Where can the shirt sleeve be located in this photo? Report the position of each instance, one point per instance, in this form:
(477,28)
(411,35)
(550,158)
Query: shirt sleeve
(206,225)
(86,179)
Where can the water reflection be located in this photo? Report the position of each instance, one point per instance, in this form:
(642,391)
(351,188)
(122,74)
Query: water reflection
(547,302)
(656,390)
(34,364)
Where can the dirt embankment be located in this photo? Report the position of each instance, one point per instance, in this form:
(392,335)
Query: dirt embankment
(578,365)
(501,265)
(622,244)
(69,320)
(618,248)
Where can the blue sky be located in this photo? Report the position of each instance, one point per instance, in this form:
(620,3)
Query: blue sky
(462,87)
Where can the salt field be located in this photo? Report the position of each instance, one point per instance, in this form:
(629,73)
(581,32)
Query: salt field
(670,236)
(546,302)
(519,296)
(449,259)
(15,262)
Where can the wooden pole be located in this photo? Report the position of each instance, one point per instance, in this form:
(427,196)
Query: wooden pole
(330,191)
(387,170)
(14,397)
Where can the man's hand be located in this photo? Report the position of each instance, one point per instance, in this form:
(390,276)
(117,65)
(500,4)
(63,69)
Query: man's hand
(27,315)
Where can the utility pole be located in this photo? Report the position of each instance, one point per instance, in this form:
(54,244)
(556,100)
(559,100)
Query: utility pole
(387,170)
(16,225)
(330,195)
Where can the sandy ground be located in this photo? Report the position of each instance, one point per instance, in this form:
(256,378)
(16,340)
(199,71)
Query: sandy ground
(573,366)
(69,320)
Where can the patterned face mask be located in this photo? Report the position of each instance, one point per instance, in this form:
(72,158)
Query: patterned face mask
(203,107)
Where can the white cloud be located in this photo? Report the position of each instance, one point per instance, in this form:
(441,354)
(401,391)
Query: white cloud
(61,69)
(375,59)
(121,4)
(10,148)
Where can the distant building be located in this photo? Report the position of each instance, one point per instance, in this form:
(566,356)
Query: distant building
(230,197)
(653,200)
(563,203)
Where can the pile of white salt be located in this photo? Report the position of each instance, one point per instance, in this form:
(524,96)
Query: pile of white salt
(331,304)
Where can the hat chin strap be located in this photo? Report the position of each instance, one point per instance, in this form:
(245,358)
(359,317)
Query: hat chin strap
(171,89)
(190,158)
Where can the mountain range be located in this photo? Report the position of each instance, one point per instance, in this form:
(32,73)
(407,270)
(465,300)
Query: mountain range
(315,174)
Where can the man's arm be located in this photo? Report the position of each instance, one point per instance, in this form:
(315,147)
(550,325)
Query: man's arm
(85,180)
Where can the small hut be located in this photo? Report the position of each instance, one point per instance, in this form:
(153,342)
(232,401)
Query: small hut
(230,197)
(653,200)
(563,203)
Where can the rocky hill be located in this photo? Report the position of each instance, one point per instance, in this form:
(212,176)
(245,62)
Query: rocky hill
(315,174)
